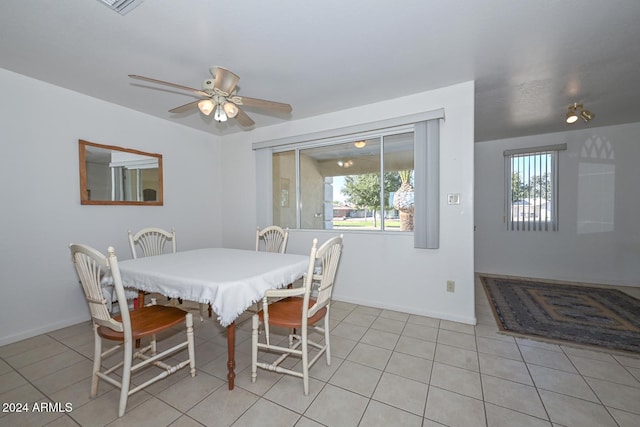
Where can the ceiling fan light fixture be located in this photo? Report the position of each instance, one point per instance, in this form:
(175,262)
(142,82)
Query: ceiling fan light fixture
(220,116)
(231,109)
(206,106)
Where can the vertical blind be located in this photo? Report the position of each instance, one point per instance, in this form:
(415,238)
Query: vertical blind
(426,219)
(531,183)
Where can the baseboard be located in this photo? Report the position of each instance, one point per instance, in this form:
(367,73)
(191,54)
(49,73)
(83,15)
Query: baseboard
(469,320)
(49,327)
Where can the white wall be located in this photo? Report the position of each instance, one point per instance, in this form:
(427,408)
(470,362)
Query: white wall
(598,239)
(209,193)
(381,270)
(41,212)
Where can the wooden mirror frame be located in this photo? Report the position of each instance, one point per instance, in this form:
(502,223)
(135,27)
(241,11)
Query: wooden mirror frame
(84,191)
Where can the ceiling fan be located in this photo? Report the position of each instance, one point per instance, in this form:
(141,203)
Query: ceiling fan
(218,96)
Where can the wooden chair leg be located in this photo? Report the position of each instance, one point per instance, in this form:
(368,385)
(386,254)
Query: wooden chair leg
(290,286)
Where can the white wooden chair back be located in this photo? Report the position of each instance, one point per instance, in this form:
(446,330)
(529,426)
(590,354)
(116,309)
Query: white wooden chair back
(321,275)
(274,238)
(91,266)
(152,241)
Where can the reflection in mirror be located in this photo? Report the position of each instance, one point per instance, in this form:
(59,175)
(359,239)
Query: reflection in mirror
(111,175)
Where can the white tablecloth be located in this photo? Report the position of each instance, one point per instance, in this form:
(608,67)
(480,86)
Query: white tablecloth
(231,280)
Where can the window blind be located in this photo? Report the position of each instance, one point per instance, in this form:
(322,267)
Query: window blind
(426,219)
(531,183)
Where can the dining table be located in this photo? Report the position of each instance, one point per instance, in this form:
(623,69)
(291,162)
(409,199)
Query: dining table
(230,280)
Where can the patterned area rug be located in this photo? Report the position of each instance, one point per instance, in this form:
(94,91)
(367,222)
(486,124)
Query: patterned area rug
(565,313)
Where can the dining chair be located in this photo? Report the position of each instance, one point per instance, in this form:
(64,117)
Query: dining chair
(272,239)
(152,241)
(126,327)
(302,309)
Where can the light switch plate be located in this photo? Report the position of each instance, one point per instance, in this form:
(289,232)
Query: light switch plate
(453,199)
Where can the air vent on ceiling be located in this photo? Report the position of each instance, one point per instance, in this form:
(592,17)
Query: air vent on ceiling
(122,6)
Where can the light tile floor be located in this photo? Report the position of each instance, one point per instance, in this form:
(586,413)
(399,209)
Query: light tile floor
(388,369)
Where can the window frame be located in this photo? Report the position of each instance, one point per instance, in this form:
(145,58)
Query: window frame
(346,139)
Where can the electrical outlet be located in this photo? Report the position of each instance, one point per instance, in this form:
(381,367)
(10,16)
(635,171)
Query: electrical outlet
(451,286)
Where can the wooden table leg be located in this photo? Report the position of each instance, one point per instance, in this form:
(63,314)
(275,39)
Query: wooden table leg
(140,304)
(231,351)
(140,299)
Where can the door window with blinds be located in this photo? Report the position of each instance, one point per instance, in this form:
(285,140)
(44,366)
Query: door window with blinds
(531,183)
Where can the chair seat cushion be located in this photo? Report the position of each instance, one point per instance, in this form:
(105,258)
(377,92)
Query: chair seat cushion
(146,321)
(287,313)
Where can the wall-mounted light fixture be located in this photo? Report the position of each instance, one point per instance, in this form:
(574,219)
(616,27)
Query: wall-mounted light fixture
(576,111)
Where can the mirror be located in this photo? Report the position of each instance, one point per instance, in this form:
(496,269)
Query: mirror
(111,175)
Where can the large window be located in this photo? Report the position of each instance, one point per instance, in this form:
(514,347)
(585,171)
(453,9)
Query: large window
(531,182)
(377,177)
(361,183)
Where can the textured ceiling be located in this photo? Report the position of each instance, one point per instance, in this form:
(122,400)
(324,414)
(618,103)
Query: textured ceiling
(530,59)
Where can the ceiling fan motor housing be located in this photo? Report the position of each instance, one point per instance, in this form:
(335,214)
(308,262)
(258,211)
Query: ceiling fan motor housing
(207,85)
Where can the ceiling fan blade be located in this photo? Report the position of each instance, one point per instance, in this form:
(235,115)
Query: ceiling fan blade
(243,119)
(261,103)
(225,80)
(160,82)
(185,107)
